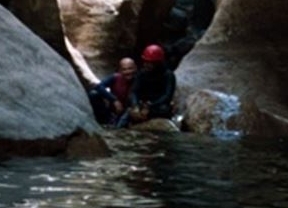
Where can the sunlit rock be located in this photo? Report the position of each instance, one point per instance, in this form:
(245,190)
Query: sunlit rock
(102,30)
(82,69)
(40,95)
(158,124)
(243,53)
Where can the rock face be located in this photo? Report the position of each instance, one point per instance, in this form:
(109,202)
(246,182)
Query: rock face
(105,30)
(243,53)
(43,18)
(40,95)
(102,30)
(222,115)
(76,145)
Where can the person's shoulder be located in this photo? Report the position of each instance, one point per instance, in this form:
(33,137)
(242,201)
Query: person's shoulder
(169,72)
(109,79)
(117,75)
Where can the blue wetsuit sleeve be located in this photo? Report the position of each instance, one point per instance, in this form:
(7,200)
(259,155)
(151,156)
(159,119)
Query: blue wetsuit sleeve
(169,91)
(101,88)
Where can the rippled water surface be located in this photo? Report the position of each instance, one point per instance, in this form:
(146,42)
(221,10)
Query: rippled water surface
(155,171)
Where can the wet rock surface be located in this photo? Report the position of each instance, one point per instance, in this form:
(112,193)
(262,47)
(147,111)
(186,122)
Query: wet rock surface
(158,124)
(223,115)
(210,112)
(78,144)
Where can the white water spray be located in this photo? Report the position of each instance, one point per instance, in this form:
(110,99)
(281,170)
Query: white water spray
(228,106)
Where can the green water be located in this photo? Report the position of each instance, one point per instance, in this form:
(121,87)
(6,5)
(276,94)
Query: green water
(155,171)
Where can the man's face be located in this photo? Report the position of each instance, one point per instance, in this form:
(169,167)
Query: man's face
(128,69)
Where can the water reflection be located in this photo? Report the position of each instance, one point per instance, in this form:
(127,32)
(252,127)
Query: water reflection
(193,173)
(262,171)
(209,172)
(155,171)
(56,182)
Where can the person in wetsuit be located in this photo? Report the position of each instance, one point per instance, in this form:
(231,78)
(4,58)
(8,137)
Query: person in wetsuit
(153,88)
(107,105)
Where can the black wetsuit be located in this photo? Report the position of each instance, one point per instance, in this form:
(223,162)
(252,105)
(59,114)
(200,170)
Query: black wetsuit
(156,87)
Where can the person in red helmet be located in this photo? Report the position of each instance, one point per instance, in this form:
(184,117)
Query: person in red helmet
(153,53)
(153,88)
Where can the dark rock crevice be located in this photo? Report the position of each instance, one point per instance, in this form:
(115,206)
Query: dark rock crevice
(177,27)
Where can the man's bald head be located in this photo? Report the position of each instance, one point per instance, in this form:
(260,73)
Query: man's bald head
(127,67)
(127,61)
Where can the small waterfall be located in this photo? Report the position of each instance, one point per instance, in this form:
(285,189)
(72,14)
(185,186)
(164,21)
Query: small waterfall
(228,106)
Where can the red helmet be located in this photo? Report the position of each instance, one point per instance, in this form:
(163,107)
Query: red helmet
(153,53)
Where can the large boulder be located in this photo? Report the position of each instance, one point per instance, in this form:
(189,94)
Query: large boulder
(41,98)
(243,53)
(223,115)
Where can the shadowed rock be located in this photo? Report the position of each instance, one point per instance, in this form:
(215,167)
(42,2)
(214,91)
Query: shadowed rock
(43,18)
(151,18)
(78,144)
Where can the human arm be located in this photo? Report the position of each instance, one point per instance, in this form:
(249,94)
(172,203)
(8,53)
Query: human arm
(101,88)
(137,112)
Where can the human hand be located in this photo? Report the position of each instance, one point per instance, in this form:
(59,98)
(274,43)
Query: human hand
(139,115)
(118,107)
(144,111)
(134,113)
